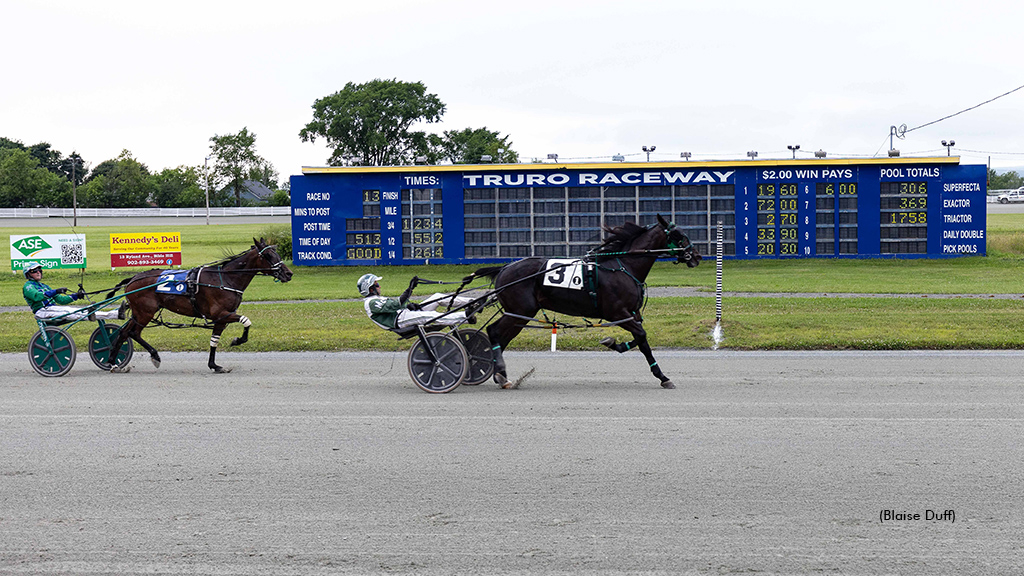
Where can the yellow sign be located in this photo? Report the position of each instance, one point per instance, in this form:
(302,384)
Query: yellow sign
(146,242)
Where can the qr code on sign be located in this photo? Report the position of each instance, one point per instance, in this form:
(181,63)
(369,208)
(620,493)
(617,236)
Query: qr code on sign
(72,253)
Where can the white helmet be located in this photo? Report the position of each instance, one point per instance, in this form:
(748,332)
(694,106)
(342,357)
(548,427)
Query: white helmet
(365,282)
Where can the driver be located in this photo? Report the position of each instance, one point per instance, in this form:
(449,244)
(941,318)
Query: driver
(49,302)
(391,313)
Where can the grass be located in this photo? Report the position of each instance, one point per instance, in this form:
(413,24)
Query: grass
(293,316)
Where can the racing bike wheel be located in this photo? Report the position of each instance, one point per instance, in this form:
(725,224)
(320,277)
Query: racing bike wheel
(52,353)
(481,357)
(442,367)
(101,342)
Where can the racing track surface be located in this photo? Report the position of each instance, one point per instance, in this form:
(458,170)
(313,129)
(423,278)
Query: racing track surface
(317,463)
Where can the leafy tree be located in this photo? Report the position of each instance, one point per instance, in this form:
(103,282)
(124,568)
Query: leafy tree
(179,187)
(23,184)
(126,184)
(8,144)
(372,121)
(469,145)
(1004,181)
(236,159)
(280,198)
(73,168)
(102,169)
(48,158)
(266,174)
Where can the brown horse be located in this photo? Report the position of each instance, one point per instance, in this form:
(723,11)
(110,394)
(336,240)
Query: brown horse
(622,263)
(213,292)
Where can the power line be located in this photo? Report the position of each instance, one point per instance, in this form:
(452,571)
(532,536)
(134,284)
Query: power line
(964,110)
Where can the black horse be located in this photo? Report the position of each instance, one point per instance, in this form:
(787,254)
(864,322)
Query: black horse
(212,292)
(616,294)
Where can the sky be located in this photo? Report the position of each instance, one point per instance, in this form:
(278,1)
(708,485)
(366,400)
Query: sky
(582,79)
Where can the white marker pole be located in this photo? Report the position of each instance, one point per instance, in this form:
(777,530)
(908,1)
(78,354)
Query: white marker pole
(554,336)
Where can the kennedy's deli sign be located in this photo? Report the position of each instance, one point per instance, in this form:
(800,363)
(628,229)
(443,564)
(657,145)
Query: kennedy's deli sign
(145,249)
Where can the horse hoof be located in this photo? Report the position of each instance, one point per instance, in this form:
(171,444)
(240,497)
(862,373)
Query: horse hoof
(155,361)
(237,341)
(221,370)
(501,380)
(609,342)
(668,385)
(120,369)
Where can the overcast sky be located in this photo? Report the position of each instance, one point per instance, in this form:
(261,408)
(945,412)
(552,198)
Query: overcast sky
(583,79)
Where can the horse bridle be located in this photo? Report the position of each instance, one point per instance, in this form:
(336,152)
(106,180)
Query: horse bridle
(684,253)
(275,268)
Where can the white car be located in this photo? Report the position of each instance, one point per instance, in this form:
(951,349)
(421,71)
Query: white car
(1012,196)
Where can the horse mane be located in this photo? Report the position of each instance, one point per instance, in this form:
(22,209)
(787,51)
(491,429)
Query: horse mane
(226,259)
(619,238)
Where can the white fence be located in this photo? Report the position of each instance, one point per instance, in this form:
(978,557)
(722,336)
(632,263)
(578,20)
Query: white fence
(144,212)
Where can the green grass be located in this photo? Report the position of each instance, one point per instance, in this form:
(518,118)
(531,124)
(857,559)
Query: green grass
(291,318)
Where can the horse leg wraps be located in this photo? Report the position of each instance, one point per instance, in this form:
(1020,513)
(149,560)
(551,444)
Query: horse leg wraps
(214,340)
(245,321)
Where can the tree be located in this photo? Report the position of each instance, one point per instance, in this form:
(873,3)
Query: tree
(372,121)
(178,188)
(468,146)
(266,174)
(1004,181)
(125,184)
(23,184)
(236,159)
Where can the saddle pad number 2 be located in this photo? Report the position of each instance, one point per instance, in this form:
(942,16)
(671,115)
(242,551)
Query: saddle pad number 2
(173,283)
(564,273)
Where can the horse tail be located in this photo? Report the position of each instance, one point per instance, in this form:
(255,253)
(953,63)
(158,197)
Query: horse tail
(118,287)
(488,272)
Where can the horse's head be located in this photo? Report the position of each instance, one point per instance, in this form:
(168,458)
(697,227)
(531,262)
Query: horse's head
(268,258)
(679,244)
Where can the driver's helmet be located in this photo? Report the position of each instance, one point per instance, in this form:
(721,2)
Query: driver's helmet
(30,266)
(365,282)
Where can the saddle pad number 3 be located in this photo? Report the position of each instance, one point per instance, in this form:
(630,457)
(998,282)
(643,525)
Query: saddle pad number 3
(564,273)
(173,283)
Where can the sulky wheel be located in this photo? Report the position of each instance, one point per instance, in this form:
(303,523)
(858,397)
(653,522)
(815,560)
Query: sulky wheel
(52,354)
(481,357)
(441,371)
(102,340)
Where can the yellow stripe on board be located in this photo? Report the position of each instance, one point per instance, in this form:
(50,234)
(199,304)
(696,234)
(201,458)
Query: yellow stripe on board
(627,165)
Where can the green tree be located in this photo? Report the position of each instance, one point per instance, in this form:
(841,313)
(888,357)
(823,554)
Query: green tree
(179,187)
(372,121)
(126,184)
(1004,181)
(23,184)
(265,173)
(468,146)
(280,198)
(236,159)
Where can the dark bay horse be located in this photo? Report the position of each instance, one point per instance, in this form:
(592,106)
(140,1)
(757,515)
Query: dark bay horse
(622,263)
(217,293)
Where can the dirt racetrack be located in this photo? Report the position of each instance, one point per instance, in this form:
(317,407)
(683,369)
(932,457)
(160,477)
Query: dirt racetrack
(321,463)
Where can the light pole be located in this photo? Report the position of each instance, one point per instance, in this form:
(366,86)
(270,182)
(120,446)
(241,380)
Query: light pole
(74,192)
(752,154)
(949,145)
(206,173)
(649,149)
(793,149)
(685,155)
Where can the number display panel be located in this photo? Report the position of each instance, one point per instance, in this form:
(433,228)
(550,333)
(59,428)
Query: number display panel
(908,208)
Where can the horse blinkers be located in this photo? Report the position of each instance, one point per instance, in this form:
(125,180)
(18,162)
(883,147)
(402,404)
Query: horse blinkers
(681,247)
(275,263)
